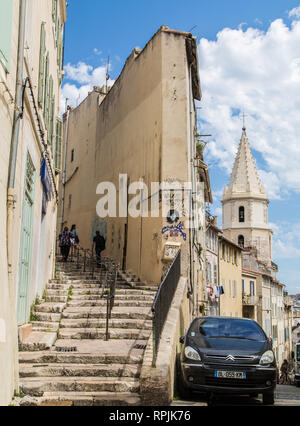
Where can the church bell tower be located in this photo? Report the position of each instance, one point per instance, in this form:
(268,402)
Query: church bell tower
(245,205)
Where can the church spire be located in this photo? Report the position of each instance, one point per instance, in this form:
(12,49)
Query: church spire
(244,177)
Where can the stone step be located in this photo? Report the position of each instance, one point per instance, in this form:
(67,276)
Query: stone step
(57,292)
(36,386)
(91,399)
(114,323)
(135,356)
(120,297)
(56,299)
(47,317)
(102,302)
(80,370)
(38,341)
(50,307)
(48,325)
(119,292)
(100,333)
(99,312)
(60,287)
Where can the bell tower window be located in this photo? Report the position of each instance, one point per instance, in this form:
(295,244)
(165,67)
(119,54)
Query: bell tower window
(242,214)
(241,241)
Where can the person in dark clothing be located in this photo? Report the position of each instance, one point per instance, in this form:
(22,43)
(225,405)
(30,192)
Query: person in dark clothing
(99,244)
(284,372)
(74,232)
(65,239)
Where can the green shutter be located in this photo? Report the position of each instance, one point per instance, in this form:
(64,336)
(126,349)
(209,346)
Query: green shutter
(54,10)
(46,94)
(51,111)
(58,144)
(42,65)
(6,7)
(57,28)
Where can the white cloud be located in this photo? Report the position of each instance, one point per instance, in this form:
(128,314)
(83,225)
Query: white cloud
(286,240)
(295,12)
(80,80)
(257,72)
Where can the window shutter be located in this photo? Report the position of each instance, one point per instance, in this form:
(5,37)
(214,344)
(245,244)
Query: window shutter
(54,10)
(5,32)
(42,66)
(46,95)
(58,144)
(57,28)
(51,111)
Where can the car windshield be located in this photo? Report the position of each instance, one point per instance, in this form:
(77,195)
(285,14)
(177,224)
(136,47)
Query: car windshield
(227,328)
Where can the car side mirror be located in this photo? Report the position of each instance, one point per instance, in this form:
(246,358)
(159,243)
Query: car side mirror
(181,340)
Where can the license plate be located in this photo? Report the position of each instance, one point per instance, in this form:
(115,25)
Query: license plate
(230,374)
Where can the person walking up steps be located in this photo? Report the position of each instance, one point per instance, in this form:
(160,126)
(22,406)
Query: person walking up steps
(65,241)
(99,245)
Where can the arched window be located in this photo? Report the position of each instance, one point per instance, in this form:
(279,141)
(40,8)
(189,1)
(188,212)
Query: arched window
(242,214)
(241,241)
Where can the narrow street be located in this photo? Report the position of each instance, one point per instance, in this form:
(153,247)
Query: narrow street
(286,395)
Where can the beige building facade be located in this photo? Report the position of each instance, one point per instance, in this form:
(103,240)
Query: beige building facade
(31,48)
(230,270)
(141,132)
(250,297)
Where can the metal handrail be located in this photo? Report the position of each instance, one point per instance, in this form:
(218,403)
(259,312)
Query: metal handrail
(86,260)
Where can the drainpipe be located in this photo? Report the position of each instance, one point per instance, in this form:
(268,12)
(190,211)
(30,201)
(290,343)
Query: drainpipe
(11,193)
(65,170)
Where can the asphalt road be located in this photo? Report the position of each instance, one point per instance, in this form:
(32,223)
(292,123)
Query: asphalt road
(285,396)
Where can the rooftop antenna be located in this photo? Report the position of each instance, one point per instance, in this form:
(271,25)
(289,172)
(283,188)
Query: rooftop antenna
(67,99)
(107,73)
(195,26)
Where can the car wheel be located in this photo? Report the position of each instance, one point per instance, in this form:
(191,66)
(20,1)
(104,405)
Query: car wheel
(298,384)
(268,398)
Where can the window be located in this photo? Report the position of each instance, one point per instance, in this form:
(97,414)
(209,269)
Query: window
(243,286)
(215,275)
(58,145)
(242,214)
(234,289)
(70,201)
(42,66)
(208,273)
(5,32)
(241,241)
(252,288)
(72,155)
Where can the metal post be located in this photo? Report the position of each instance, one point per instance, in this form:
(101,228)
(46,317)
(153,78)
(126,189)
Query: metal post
(107,314)
(84,261)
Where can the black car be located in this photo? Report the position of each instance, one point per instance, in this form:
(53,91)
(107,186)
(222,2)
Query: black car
(227,355)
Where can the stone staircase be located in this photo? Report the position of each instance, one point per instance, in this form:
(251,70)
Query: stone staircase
(65,360)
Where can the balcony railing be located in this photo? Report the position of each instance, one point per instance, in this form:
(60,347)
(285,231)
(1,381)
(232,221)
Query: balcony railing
(250,300)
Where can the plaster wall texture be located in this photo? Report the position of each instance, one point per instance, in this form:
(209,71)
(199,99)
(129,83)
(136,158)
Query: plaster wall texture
(43,228)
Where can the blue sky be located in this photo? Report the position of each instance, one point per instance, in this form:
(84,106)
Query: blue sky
(249,54)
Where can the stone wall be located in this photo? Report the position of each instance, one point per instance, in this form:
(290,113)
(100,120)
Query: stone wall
(157,383)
